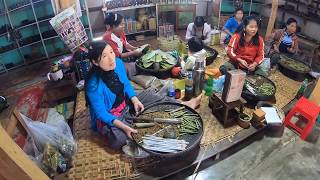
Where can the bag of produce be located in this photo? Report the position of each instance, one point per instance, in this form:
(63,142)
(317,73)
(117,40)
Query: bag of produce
(56,133)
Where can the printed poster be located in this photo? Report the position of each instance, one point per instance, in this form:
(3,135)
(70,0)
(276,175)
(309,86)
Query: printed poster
(70,29)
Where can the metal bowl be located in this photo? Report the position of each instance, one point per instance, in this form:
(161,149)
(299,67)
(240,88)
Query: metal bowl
(291,72)
(193,139)
(247,95)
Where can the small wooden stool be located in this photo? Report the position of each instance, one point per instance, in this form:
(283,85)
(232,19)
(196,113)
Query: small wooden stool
(226,113)
(309,111)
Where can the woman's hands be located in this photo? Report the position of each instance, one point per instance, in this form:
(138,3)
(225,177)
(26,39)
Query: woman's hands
(275,47)
(138,106)
(136,53)
(129,131)
(126,129)
(290,49)
(252,66)
(243,63)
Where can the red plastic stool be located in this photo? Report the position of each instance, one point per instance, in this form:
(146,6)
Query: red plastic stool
(309,111)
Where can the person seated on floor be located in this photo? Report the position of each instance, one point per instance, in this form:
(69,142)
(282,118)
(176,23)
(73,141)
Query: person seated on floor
(116,38)
(232,24)
(245,49)
(284,41)
(196,51)
(109,94)
(199,28)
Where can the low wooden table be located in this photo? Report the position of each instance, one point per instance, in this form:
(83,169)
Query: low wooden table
(226,113)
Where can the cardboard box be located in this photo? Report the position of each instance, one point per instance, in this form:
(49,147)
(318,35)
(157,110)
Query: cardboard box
(315,95)
(233,85)
(258,115)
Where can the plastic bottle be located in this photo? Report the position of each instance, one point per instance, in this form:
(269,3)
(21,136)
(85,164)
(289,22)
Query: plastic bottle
(208,88)
(220,84)
(189,87)
(134,26)
(302,89)
(171,90)
(129,25)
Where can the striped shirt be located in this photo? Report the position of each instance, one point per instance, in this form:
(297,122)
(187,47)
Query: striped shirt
(118,44)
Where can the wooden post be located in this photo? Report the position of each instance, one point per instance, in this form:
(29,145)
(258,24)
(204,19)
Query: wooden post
(14,163)
(273,17)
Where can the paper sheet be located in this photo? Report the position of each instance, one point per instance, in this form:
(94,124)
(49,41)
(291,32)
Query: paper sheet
(272,116)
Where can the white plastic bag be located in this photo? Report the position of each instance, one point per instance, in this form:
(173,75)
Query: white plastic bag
(265,65)
(57,133)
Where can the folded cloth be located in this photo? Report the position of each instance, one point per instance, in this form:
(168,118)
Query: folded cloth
(130,69)
(143,80)
(150,96)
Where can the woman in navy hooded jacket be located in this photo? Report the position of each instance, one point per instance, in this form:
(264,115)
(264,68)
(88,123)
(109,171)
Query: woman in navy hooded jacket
(107,88)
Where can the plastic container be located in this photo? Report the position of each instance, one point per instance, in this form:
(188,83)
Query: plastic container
(302,89)
(171,90)
(215,37)
(189,88)
(220,84)
(208,88)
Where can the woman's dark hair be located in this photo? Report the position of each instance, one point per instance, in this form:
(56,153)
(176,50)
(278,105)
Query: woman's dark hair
(195,44)
(95,50)
(94,54)
(199,21)
(291,20)
(237,9)
(113,20)
(242,30)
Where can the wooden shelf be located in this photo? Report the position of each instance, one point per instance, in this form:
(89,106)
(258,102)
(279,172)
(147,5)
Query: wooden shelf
(27,25)
(30,44)
(140,32)
(52,37)
(20,7)
(127,8)
(302,15)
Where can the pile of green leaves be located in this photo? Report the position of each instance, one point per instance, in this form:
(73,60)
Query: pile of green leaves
(165,60)
(294,64)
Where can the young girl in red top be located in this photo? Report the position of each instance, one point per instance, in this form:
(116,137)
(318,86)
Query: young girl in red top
(116,38)
(245,49)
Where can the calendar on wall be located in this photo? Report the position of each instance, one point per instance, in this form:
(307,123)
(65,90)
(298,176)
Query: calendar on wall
(70,29)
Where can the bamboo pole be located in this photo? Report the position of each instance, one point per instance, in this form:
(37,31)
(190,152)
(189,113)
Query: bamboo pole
(273,17)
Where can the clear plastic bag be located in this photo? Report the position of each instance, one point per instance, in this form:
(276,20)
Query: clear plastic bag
(265,65)
(56,133)
(144,81)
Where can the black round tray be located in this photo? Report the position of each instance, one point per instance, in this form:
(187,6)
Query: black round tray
(193,139)
(291,72)
(210,59)
(247,95)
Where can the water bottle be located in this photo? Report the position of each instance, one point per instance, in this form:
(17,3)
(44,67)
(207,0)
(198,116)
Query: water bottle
(302,89)
(188,88)
(198,77)
(209,85)
(171,90)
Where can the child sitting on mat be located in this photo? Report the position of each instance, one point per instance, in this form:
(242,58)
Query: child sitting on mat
(196,53)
